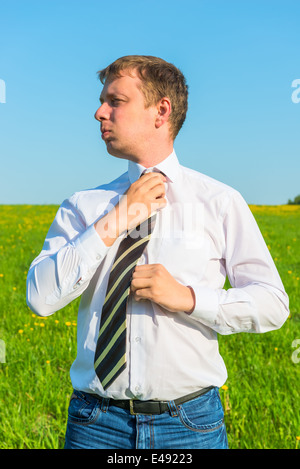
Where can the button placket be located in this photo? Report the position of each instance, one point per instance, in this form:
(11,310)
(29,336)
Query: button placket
(136,369)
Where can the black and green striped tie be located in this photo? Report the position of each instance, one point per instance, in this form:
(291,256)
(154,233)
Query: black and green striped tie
(110,355)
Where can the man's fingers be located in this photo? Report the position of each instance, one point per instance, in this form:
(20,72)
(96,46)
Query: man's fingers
(142,277)
(144,270)
(138,283)
(154,174)
(141,288)
(150,180)
(158,191)
(142,294)
(144,197)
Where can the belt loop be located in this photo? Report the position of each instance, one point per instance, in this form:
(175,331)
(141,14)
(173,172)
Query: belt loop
(173,409)
(104,404)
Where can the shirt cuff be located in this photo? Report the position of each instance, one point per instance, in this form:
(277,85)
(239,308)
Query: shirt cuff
(90,247)
(206,305)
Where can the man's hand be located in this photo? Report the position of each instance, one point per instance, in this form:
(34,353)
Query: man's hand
(153,282)
(143,197)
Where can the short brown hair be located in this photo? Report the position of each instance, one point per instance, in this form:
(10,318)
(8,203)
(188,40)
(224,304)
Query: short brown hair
(159,79)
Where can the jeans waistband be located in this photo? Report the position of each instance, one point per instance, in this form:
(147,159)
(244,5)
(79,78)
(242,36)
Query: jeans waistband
(149,407)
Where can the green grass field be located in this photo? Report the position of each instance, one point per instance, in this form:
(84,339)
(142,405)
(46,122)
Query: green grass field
(261,396)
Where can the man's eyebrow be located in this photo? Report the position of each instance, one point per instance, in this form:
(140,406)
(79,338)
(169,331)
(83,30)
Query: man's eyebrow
(111,95)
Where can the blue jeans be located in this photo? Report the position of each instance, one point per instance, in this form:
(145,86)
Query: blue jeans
(198,423)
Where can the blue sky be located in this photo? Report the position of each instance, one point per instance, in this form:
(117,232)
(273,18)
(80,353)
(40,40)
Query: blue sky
(240,58)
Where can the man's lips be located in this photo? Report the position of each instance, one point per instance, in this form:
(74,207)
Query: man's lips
(105,133)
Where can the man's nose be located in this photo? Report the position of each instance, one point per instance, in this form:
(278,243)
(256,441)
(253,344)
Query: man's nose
(102,112)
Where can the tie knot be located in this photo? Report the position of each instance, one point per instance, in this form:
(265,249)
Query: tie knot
(152,170)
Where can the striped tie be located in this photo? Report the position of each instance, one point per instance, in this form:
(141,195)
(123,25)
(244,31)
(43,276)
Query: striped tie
(110,355)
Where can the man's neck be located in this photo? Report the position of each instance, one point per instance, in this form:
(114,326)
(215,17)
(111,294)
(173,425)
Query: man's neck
(153,156)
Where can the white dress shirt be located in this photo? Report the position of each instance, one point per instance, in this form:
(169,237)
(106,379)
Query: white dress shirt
(205,232)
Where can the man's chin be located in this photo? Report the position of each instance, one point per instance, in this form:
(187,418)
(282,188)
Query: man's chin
(115,152)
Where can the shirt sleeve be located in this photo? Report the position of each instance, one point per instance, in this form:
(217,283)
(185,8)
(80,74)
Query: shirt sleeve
(71,254)
(257,301)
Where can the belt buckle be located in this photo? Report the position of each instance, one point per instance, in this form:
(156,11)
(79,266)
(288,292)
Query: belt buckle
(131,408)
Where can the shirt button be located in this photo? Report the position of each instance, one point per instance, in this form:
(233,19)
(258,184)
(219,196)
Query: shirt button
(137,388)
(98,257)
(137,339)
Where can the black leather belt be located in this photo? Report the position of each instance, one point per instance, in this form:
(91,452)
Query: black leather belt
(150,407)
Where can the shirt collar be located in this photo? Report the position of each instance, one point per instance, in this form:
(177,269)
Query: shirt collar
(169,167)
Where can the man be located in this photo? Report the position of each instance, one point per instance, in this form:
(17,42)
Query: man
(148,368)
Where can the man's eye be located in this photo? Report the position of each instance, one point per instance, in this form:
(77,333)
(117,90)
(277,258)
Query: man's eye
(115,101)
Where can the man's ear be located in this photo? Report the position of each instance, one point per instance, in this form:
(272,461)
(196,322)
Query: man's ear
(164,109)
